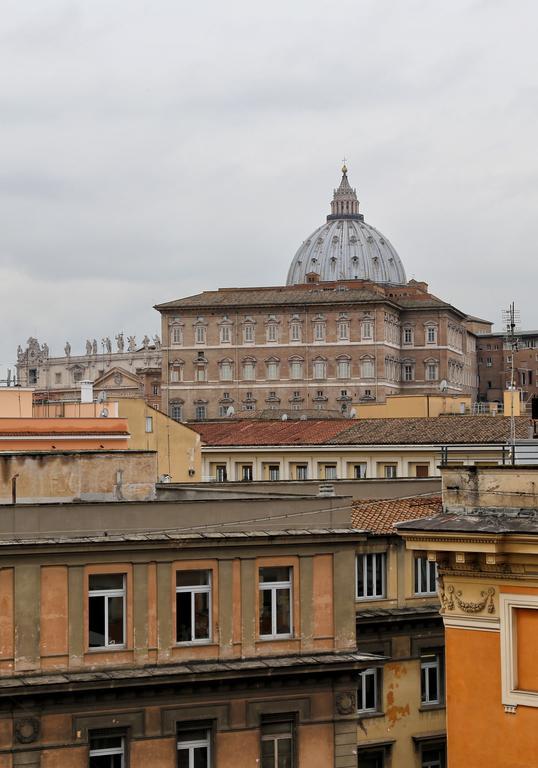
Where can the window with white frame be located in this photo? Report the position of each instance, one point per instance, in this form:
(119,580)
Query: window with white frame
(431,371)
(225,334)
(277,744)
(295,332)
(431,665)
(408,372)
(226,370)
(200,334)
(319,369)
(319,330)
(407,335)
(343,330)
(193,747)
(107,750)
(272,332)
(390,471)
(366,330)
(371,575)
(149,424)
(221,474)
(249,370)
(273,369)
(274,472)
(343,368)
(367,690)
(106,610)
(431,334)
(329,472)
(367,368)
(176,372)
(425,577)
(200,412)
(301,472)
(275,602)
(359,471)
(296,369)
(177,335)
(248,333)
(176,411)
(200,372)
(193,606)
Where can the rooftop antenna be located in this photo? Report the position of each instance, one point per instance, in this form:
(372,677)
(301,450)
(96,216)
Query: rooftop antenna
(511,321)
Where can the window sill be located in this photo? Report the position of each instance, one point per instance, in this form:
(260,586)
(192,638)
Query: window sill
(366,713)
(108,649)
(431,707)
(273,638)
(194,643)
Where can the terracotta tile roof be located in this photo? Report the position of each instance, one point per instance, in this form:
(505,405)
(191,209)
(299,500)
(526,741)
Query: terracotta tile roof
(381,515)
(261,432)
(439,430)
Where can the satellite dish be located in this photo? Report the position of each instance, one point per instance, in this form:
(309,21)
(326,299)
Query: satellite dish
(443,385)
(353,413)
(303,417)
(104,413)
(230,410)
(284,417)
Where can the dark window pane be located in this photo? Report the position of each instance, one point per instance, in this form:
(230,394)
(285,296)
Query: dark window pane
(191,578)
(268,753)
(265,612)
(360,576)
(433,688)
(417,571)
(274,574)
(104,761)
(96,622)
(200,757)
(284,753)
(106,581)
(369,575)
(183,758)
(369,685)
(423,684)
(371,760)
(201,615)
(192,734)
(104,741)
(283,612)
(115,620)
(379,562)
(183,617)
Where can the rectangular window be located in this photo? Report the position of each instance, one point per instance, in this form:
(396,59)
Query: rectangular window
(272,370)
(149,423)
(193,606)
(107,751)
(431,372)
(295,332)
(408,372)
(389,471)
(489,362)
(425,576)
(275,602)
(200,412)
(177,335)
(430,677)
(194,747)
(32,376)
(200,334)
(175,374)
(408,336)
(106,610)
(301,472)
(246,473)
(296,369)
(431,336)
(372,758)
(58,378)
(320,369)
(201,373)
(343,331)
(277,745)
(329,471)
(319,331)
(248,334)
(274,472)
(366,330)
(359,471)
(221,474)
(225,335)
(175,412)
(155,389)
(343,369)
(371,575)
(272,333)
(367,690)
(433,757)
(249,371)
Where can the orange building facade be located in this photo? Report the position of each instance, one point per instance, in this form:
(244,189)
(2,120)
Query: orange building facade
(485,544)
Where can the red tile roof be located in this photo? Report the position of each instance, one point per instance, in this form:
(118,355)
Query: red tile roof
(260,432)
(380,515)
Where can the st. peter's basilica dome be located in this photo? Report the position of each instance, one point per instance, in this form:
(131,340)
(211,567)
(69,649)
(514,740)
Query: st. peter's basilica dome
(346,247)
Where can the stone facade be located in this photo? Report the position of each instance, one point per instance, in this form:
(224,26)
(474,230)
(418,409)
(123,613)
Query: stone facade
(320,346)
(494,365)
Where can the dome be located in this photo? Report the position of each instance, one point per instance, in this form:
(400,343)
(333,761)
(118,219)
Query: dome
(346,247)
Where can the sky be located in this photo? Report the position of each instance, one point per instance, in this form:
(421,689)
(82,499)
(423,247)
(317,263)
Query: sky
(152,149)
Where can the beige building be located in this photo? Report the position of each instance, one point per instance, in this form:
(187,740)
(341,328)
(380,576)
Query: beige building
(251,450)
(346,328)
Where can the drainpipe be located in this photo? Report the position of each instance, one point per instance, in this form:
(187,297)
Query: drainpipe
(14,489)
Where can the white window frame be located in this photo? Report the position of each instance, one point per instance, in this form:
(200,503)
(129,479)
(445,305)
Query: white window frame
(190,746)
(432,371)
(361,561)
(301,469)
(408,372)
(111,751)
(107,594)
(319,369)
(390,471)
(275,738)
(248,333)
(330,471)
(512,696)
(367,369)
(200,412)
(425,666)
(362,466)
(431,330)
(201,334)
(343,330)
(319,330)
(273,370)
(407,335)
(249,367)
(366,330)
(370,672)
(295,332)
(175,408)
(149,424)
(296,370)
(197,589)
(274,472)
(272,333)
(177,336)
(430,588)
(273,587)
(343,369)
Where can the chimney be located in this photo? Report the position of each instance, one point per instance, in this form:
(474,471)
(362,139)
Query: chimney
(86,392)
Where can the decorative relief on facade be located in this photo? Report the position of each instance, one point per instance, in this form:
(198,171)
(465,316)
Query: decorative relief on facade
(452,598)
(346,703)
(27,730)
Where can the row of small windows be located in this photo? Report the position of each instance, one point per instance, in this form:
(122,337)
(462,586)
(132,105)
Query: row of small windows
(371,576)
(300,471)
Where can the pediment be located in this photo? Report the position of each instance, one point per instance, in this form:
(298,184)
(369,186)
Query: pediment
(116,377)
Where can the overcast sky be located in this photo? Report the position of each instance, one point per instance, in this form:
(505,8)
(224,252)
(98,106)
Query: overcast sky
(150,149)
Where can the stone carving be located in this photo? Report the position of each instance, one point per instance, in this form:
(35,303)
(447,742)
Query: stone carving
(94,346)
(132,343)
(88,347)
(145,341)
(120,342)
(67,349)
(157,341)
(107,344)
(27,729)
(118,378)
(452,598)
(20,353)
(45,350)
(345,703)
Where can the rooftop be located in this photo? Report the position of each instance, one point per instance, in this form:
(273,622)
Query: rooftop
(255,432)
(380,516)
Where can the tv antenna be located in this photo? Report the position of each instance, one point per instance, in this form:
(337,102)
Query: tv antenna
(511,321)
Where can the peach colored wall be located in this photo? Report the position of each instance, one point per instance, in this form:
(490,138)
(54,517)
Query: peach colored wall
(154,753)
(322,582)
(238,748)
(6,618)
(15,402)
(479,731)
(53,627)
(316,745)
(74,757)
